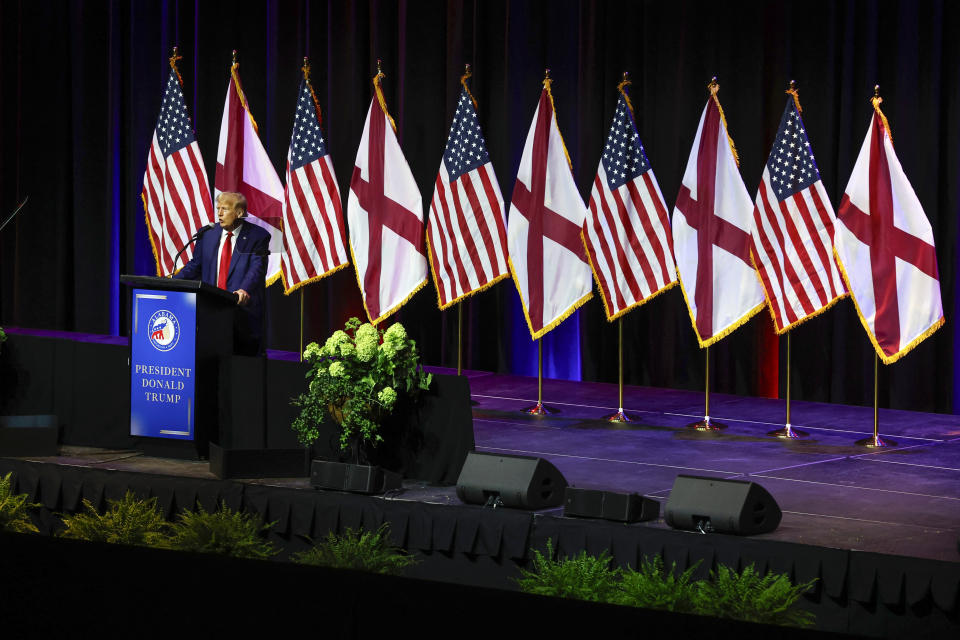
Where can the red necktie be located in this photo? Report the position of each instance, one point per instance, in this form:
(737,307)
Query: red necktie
(225,254)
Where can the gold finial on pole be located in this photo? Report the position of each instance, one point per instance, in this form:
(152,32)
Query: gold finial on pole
(876,101)
(378,89)
(467,73)
(713,86)
(622,88)
(792,90)
(234,59)
(173,62)
(306,77)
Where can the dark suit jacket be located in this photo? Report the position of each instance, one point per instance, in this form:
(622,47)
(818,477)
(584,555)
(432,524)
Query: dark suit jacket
(248,268)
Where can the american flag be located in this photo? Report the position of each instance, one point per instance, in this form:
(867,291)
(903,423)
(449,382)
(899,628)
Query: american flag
(176,195)
(314,240)
(792,239)
(627,228)
(466,229)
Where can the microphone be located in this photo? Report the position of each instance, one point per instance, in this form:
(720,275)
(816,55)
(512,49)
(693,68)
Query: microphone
(202,230)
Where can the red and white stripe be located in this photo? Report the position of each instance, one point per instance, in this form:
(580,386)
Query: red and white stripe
(467,234)
(176,198)
(793,250)
(630,243)
(314,235)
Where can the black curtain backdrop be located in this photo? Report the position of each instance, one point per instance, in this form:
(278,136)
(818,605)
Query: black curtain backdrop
(82,86)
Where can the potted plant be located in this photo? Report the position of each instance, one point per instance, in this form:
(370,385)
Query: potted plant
(356,379)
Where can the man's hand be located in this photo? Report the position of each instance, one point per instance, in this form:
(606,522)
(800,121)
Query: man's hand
(243,298)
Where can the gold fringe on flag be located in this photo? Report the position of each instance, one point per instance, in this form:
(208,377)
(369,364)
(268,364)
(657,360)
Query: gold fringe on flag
(714,87)
(379,91)
(467,73)
(876,100)
(173,64)
(306,77)
(547,81)
(243,99)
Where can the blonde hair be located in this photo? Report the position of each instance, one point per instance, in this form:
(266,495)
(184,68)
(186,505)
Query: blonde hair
(239,200)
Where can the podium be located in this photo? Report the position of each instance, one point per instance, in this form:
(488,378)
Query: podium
(179,331)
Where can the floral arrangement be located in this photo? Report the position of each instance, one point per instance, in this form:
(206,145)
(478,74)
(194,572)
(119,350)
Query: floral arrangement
(356,378)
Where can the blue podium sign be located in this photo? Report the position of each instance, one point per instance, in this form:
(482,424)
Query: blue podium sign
(163,364)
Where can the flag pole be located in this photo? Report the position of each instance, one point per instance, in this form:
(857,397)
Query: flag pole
(706,424)
(460,338)
(788,432)
(875,441)
(540,409)
(301,324)
(620,415)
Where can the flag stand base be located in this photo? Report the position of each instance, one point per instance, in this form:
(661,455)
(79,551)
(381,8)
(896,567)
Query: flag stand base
(540,409)
(875,442)
(620,416)
(706,425)
(788,433)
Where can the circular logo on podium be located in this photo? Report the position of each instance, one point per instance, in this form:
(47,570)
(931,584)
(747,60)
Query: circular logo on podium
(163,330)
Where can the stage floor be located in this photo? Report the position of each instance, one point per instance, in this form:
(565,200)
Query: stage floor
(904,500)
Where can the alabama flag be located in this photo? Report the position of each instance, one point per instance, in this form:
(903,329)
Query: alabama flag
(243,166)
(711,234)
(385,217)
(544,230)
(884,245)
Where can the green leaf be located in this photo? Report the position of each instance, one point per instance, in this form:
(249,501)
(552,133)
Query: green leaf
(361,550)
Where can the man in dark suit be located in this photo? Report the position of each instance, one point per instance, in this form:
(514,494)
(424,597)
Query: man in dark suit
(233,256)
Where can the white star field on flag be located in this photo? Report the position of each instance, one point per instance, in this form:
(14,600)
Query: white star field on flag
(466,149)
(306,143)
(623,156)
(791,163)
(174,130)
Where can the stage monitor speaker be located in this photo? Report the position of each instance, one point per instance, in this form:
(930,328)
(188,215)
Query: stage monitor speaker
(356,478)
(511,481)
(724,506)
(609,505)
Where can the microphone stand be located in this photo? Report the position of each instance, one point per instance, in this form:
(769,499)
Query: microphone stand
(195,237)
(14,214)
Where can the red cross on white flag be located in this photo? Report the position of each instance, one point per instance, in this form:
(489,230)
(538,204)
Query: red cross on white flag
(547,256)
(884,244)
(385,217)
(243,166)
(711,234)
